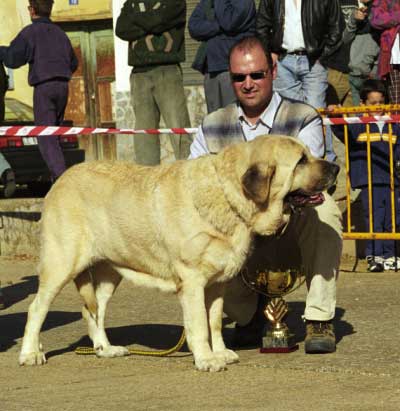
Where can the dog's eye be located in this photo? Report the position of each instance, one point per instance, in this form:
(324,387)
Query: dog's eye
(303,160)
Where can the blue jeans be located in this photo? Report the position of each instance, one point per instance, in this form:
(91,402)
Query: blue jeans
(297,80)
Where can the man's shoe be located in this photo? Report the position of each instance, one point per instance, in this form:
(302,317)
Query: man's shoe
(8,181)
(251,334)
(375,264)
(391,263)
(320,337)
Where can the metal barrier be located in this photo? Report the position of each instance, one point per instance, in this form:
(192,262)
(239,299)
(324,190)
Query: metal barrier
(349,234)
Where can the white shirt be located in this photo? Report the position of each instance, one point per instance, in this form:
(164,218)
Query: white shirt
(293,38)
(395,55)
(311,135)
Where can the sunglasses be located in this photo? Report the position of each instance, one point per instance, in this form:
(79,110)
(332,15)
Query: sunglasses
(254,75)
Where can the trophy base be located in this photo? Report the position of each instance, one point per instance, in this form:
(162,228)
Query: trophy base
(278,350)
(278,341)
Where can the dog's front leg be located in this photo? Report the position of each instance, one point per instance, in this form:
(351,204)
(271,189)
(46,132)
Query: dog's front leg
(214,297)
(196,327)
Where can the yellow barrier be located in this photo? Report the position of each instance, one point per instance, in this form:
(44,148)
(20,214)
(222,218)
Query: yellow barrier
(370,234)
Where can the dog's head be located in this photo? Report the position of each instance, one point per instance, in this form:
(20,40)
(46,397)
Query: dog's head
(278,174)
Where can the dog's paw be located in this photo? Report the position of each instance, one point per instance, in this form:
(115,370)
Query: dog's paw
(210,363)
(228,356)
(112,351)
(32,358)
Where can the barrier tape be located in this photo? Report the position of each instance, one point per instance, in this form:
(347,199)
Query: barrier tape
(31,131)
(64,131)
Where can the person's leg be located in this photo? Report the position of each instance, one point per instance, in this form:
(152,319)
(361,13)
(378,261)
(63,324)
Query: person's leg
(170,97)
(318,232)
(314,82)
(356,84)
(218,90)
(147,115)
(388,246)
(211,92)
(319,235)
(374,248)
(287,82)
(226,90)
(339,83)
(46,102)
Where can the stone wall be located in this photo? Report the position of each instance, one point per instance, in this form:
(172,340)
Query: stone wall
(19,226)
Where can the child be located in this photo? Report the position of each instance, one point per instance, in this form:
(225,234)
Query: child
(52,61)
(379,253)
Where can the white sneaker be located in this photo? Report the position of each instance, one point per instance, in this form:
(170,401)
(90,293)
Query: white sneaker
(391,264)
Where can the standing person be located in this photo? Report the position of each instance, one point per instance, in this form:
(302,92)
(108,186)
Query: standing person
(48,51)
(380,254)
(312,241)
(338,62)
(338,91)
(7,175)
(155,33)
(4,165)
(364,52)
(385,16)
(301,34)
(219,24)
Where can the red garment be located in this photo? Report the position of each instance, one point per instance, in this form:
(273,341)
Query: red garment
(385,15)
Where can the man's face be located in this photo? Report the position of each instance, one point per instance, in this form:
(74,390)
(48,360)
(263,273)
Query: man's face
(375,98)
(254,94)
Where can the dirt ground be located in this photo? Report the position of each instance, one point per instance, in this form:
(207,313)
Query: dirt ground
(364,373)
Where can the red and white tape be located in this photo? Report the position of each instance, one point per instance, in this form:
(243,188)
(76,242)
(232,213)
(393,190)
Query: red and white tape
(31,131)
(64,131)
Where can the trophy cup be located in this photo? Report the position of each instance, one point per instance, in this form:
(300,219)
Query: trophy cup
(274,285)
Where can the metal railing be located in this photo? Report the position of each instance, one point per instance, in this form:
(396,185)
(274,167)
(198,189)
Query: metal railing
(348,233)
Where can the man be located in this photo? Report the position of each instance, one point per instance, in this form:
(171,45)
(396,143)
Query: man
(48,51)
(338,66)
(155,32)
(312,241)
(301,34)
(219,24)
(7,178)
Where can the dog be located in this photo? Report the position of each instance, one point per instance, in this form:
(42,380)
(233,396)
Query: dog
(185,228)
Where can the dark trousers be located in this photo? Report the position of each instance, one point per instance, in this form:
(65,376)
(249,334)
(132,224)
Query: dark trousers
(382,218)
(49,102)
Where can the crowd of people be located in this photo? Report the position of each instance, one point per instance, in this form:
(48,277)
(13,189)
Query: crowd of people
(266,71)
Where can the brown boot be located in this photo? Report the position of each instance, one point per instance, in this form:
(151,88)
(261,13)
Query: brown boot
(320,337)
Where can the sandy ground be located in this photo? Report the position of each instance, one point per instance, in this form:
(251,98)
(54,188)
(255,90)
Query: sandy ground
(364,373)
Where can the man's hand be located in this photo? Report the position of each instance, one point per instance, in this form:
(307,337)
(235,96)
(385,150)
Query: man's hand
(331,108)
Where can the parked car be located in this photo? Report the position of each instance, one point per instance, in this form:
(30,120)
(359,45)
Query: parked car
(23,152)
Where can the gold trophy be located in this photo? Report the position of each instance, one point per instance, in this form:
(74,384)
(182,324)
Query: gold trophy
(274,285)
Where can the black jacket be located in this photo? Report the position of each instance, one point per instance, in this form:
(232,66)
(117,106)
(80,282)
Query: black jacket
(321,20)
(155,31)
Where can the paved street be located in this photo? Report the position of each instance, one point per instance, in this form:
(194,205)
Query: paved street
(364,373)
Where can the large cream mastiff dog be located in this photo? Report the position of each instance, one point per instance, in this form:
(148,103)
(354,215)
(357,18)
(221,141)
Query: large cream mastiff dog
(186,228)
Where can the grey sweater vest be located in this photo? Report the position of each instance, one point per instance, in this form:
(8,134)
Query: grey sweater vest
(222,128)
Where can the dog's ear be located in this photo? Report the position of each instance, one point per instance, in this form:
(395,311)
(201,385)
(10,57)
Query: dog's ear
(256,183)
